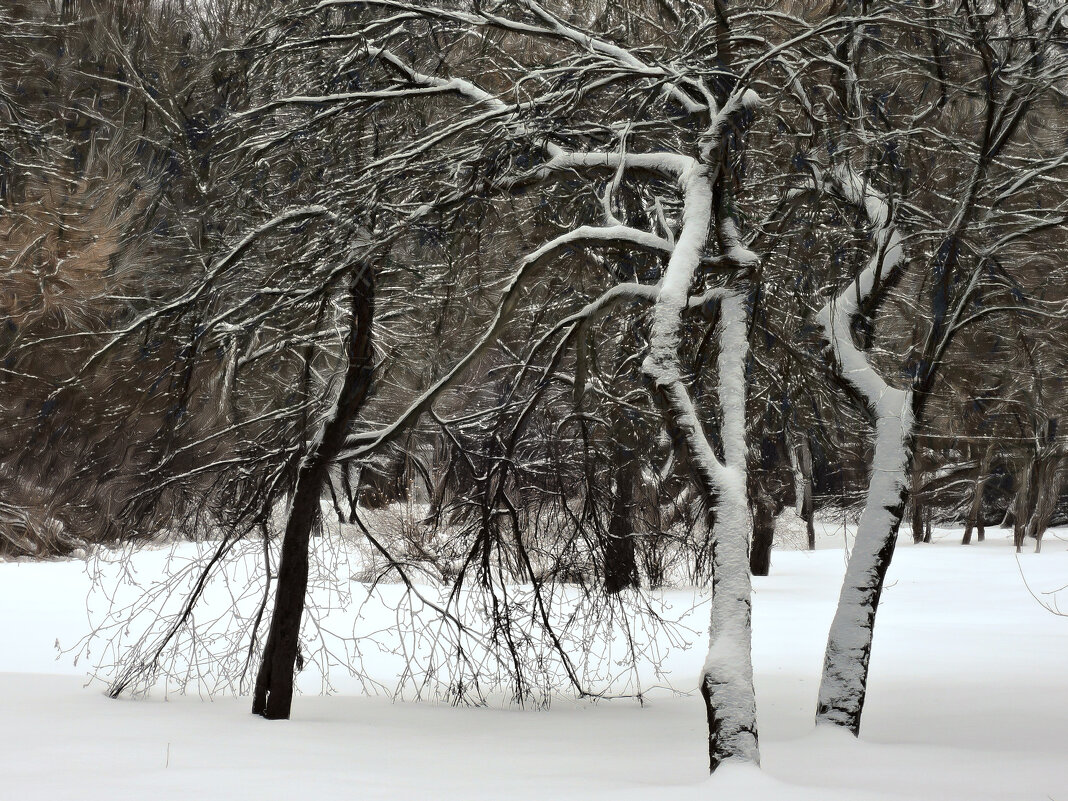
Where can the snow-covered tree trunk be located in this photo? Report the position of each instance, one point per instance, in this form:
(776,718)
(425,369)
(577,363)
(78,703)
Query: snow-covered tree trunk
(845,668)
(727,675)
(693,168)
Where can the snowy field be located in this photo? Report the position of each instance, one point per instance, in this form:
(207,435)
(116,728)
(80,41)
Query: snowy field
(968,699)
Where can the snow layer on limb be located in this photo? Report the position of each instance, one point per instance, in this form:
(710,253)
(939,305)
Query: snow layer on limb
(727,676)
(845,670)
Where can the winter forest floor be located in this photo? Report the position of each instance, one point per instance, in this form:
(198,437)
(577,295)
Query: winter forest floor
(968,699)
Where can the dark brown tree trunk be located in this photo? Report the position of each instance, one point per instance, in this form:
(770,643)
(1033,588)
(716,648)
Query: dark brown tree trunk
(763,506)
(620,564)
(1022,506)
(274,683)
(916,504)
(807,515)
(1046,482)
(975,511)
(620,561)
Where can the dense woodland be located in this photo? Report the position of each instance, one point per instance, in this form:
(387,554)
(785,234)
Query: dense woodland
(594,290)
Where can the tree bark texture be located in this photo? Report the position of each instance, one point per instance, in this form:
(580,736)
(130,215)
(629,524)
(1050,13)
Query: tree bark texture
(916,505)
(1023,505)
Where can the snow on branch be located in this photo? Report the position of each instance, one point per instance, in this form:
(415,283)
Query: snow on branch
(836,316)
(363,444)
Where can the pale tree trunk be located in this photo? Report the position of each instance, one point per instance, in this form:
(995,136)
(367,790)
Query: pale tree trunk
(727,676)
(801,462)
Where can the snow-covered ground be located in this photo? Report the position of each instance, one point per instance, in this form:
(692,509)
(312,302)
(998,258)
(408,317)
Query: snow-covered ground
(968,699)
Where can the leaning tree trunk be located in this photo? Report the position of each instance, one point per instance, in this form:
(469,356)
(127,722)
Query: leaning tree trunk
(274,683)
(845,668)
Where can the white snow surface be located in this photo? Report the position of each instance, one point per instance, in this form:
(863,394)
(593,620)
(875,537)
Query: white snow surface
(968,699)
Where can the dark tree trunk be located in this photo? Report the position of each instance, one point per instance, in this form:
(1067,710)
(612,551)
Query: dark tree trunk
(352,490)
(620,561)
(274,683)
(620,564)
(1022,506)
(804,465)
(336,501)
(763,506)
(1046,483)
(975,511)
(916,504)
(807,515)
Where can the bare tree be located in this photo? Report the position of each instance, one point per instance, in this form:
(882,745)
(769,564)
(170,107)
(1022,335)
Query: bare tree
(965,245)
